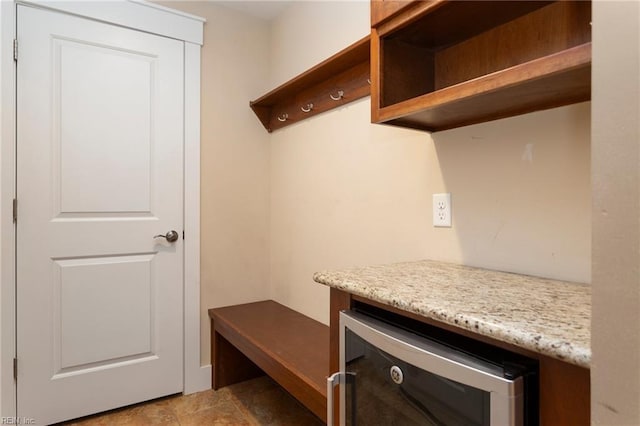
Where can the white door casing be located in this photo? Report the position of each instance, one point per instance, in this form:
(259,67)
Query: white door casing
(99,173)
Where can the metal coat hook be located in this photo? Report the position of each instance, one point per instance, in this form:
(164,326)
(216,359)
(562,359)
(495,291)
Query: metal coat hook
(307,108)
(283,117)
(337,98)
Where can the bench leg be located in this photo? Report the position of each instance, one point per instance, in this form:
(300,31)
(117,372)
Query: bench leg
(229,364)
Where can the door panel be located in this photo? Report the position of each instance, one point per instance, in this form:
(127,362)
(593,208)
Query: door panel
(90,299)
(89,100)
(99,174)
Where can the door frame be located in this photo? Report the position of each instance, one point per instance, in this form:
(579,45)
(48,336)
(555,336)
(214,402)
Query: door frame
(138,15)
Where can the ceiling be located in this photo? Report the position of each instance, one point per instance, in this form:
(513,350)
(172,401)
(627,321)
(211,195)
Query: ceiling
(263,9)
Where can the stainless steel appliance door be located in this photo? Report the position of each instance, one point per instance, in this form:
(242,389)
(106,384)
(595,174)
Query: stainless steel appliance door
(401,378)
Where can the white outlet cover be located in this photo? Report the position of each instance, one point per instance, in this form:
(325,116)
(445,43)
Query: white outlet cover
(442,210)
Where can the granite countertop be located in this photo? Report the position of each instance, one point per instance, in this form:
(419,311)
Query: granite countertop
(545,316)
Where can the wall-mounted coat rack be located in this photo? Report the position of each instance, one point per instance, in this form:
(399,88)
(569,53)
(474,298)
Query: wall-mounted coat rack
(340,79)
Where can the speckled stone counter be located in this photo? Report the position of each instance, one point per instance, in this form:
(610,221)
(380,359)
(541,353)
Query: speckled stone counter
(545,316)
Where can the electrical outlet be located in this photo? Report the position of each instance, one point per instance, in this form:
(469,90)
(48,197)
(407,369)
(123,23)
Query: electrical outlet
(442,210)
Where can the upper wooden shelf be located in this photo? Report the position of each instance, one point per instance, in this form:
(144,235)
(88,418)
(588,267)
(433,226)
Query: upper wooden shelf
(340,79)
(444,64)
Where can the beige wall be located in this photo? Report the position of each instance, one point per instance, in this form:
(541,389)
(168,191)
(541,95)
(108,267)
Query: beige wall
(234,161)
(308,32)
(615,368)
(335,190)
(345,192)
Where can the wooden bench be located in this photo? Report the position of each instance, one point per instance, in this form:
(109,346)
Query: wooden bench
(266,337)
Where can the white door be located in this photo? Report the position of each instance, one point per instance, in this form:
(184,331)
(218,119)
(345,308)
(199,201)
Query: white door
(99,173)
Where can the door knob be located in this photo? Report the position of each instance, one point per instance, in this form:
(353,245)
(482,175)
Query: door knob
(171,236)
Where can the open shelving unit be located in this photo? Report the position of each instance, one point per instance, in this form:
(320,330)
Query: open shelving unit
(444,64)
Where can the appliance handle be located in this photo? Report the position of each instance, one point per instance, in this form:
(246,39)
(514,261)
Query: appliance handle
(337,379)
(332,381)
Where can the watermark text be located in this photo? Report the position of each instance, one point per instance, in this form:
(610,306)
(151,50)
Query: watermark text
(17,421)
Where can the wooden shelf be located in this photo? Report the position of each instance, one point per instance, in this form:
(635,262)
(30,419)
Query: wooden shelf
(555,80)
(443,64)
(346,71)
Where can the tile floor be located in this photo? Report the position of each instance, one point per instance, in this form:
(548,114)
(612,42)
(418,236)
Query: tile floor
(259,401)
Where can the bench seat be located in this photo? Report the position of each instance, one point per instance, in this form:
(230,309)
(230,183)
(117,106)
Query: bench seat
(266,337)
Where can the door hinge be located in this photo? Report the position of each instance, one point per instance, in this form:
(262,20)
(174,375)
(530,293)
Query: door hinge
(15,210)
(183,235)
(15,49)
(15,369)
